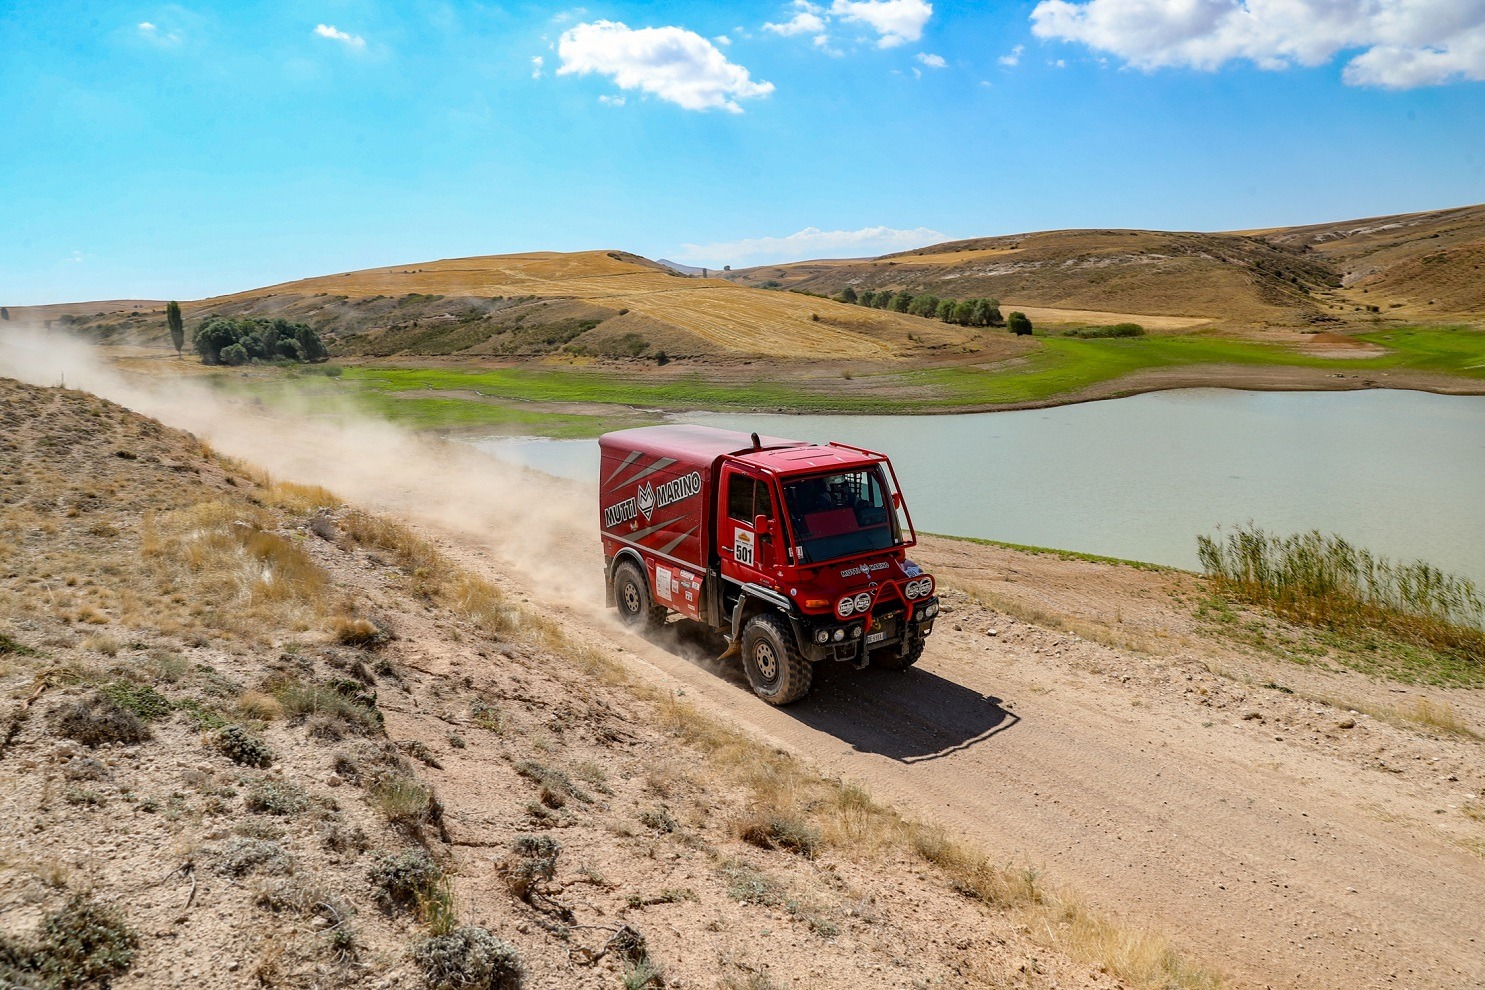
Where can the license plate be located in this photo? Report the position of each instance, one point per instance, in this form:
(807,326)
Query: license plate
(876,637)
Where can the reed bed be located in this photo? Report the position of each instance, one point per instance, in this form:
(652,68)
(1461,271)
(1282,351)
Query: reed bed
(1325,581)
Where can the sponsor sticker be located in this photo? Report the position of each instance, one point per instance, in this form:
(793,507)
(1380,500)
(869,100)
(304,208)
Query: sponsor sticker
(662,582)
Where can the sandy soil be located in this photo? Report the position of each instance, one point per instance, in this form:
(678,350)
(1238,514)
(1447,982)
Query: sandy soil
(1246,822)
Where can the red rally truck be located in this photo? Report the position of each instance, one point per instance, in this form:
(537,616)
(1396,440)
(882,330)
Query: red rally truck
(795,552)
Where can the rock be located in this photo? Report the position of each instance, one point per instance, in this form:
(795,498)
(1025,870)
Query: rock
(1251,715)
(1346,723)
(992,632)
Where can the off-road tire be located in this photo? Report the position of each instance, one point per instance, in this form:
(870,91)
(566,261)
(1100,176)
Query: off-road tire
(891,661)
(778,674)
(637,609)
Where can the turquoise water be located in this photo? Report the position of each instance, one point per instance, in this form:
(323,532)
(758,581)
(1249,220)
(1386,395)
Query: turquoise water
(1400,472)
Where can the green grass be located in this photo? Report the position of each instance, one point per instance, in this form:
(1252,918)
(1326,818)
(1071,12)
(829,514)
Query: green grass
(530,401)
(1092,558)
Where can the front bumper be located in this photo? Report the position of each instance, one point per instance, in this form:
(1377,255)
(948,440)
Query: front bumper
(897,629)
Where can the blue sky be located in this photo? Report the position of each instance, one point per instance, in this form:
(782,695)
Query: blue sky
(181,150)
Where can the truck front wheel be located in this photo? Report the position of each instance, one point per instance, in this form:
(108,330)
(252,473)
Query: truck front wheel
(632,596)
(771,658)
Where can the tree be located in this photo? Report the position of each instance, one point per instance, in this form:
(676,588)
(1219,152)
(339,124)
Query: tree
(222,340)
(986,313)
(963,313)
(901,302)
(1019,324)
(945,310)
(177,326)
(924,305)
(848,295)
(884,299)
(868,298)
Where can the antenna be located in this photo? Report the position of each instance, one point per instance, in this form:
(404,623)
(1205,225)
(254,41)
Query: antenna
(757,444)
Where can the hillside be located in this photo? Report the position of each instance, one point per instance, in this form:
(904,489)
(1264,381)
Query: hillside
(1319,275)
(252,736)
(593,303)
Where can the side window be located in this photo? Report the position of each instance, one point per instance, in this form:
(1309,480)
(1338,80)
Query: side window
(762,504)
(740,497)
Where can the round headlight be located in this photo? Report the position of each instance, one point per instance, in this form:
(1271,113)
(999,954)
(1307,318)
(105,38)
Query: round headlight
(930,610)
(856,632)
(925,587)
(822,636)
(840,634)
(863,602)
(846,606)
(911,589)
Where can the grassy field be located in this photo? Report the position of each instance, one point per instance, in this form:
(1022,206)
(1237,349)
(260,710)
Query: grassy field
(571,402)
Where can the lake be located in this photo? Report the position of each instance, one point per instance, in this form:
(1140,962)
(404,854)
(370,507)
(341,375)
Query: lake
(1402,473)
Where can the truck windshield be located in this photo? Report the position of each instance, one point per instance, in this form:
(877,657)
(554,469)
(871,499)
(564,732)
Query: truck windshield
(838,515)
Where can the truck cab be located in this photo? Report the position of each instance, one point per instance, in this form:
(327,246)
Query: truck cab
(795,552)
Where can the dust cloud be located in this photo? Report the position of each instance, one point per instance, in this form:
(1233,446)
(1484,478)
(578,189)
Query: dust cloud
(539,529)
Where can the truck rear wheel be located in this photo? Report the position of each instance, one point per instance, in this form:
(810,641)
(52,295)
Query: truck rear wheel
(632,596)
(894,662)
(771,658)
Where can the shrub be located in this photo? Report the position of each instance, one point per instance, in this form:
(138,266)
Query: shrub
(1019,324)
(406,802)
(240,747)
(345,700)
(775,830)
(404,880)
(1116,330)
(357,632)
(535,859)
(469,958)
(98,719)
(82,944)
(141,699)
(277,797)
(239,857)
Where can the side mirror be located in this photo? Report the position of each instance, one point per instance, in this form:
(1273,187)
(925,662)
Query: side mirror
(763,526)
(897,500)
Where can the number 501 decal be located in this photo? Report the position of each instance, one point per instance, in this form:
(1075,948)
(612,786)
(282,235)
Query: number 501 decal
(742,547)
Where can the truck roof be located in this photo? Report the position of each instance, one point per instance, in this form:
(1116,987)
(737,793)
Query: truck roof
(688,443)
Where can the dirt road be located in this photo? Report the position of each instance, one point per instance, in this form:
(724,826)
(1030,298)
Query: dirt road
(1169,778)
(1247,831)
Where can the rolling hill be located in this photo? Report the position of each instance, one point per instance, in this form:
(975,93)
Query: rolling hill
(617,305)
(1422,265)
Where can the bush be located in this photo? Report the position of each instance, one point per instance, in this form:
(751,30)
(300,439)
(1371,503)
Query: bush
(99,719)
(239,857)
(240,747)
(1116,330)
(82,944)
(141,699)
(1019,324)
(404,880)
(277,797)
(774,830)
(535,859)
(469,958)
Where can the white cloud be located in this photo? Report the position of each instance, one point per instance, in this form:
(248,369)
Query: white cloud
(536,63)
(896,21)
(722,40)
(674,64)
(1407,42)
(811,242)
(1014,58)
(931,60)
(153,33)
(611,101)
(330,31)
(806,20)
